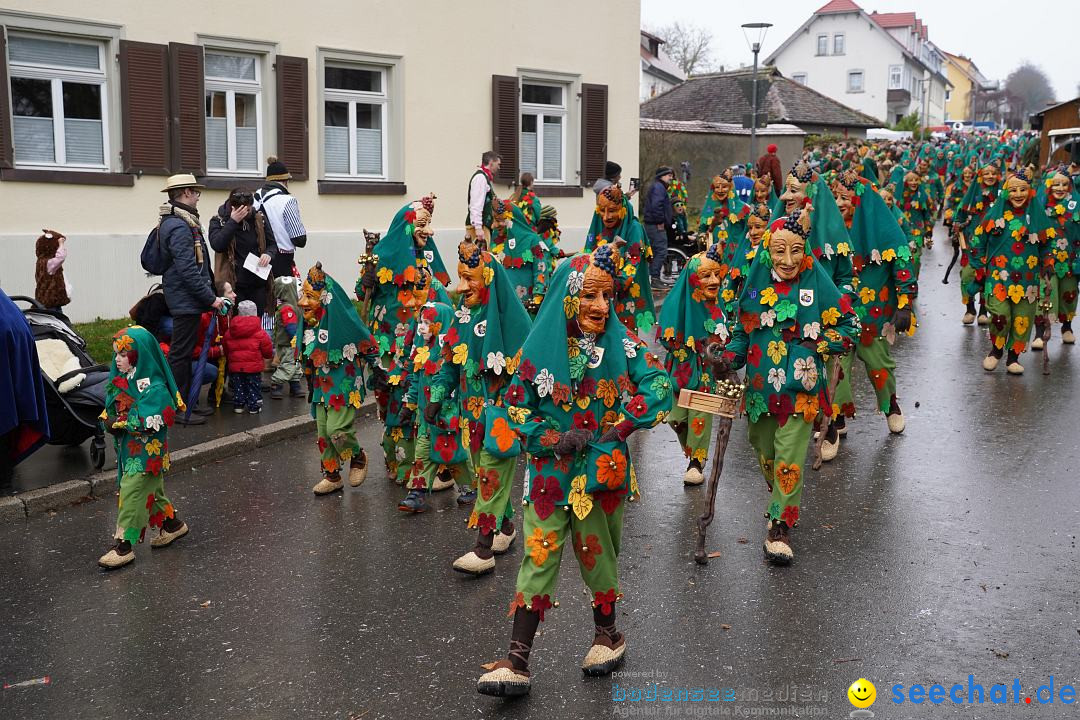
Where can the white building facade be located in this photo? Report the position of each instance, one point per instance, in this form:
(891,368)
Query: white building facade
(878,64)
(659,73)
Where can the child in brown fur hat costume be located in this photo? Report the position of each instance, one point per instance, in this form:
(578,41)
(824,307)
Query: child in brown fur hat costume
(52,290)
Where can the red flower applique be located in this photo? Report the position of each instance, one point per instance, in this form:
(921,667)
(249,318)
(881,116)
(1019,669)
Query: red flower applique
(585,420)
(545,492)
(637,406)
(587,550)
(790,515)
(605,601)
(527,370)
(753,355)
(486,523)
(540,605)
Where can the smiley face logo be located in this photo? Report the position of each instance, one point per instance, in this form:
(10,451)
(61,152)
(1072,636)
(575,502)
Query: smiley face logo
(862,693)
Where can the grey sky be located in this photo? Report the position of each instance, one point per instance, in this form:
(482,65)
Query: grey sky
(996,34)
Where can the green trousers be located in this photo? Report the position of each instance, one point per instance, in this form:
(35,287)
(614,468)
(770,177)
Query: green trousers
(494,482)
(337,437)
(398,453)
(781,455)
(289,368)
(694,430)
(1067,292)
(142,502)
(880,369)
(1010,323)
(968,285)
(424,469)
(595,540)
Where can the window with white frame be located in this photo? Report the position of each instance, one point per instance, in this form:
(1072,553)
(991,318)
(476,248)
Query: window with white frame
(59,101)
(822,44)
(855,81)
(355,107)
(543,130)
(896,77)
(233,84)
(838,44)
(799,78)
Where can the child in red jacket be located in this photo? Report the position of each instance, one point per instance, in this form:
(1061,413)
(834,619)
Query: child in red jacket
(246,347)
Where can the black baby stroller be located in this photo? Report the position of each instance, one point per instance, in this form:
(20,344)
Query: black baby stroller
(74,398)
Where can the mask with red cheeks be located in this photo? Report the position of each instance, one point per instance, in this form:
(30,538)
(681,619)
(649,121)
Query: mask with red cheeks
(1019,191)
(990,176)
(709,274)
(609,206)
(595,297)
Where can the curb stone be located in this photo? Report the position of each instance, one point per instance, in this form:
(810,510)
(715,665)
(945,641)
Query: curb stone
(18,508)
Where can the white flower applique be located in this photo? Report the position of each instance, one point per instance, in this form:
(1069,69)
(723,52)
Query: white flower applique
(309,336)
(545,383)
(777,377)
(349,352)
(806,371)
(463,315)
(574,282)
(154,422)
(812,330)
(496,362)
(768,318)
(629,347)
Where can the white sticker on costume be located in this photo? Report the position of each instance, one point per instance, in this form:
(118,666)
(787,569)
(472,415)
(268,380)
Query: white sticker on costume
(480,329)
(596,357)
(806,297)
(511,243)
(429,255)
(142,384)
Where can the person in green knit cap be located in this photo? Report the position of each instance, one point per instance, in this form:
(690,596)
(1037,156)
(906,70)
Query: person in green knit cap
(614,219)
(440,459)
(1009,250)
(885,292)
(977,201)
(791,317)
(141,402)
(1059,200)
(525,256)
(585,384)
(407,245)
(336,347)
(690,320)
(481,350)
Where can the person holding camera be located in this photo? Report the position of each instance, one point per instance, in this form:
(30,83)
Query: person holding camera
(282,214)
(237,231)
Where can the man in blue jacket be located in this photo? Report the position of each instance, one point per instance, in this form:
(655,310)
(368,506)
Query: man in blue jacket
(658,214)
(188,281)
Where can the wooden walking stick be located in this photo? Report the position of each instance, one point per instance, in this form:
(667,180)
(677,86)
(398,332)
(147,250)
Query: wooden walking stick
(725,406)
(368,262)
(1046,304)
(820,426)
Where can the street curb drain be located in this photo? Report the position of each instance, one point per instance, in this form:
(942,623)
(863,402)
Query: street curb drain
(21,507)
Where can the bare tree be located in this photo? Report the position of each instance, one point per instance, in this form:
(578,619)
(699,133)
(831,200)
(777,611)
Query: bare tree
(1030,86)
(690,46)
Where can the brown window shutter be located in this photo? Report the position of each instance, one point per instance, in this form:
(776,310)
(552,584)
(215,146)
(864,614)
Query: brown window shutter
(7,149)
(594,102)
(505,121)
(187,108)
(292,114)
(144,104)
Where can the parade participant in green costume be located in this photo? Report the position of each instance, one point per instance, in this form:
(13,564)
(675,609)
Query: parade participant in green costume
(954,195)
(335,347)
(1008,251)
(791,318)
(978,200)
(724,216)
(917,208)
(441,461)
(548,227)
(757,222)
(691,319)
(525,256)
(764,193)
(867,167)
(141,402)
(1062,206)
(828,240)
(480,352)
(525,198)
(678,194)
(584,385)
(935,189)
(614,219)
(885,291)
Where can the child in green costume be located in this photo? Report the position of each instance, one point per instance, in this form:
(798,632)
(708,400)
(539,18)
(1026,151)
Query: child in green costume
(141,403)
(584,385)
(791,317)
(480,352)
(336,348)
(525,256)
(286,324)
(690,320)
(1062,206)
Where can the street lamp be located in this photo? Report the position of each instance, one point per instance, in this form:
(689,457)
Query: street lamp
(757,31)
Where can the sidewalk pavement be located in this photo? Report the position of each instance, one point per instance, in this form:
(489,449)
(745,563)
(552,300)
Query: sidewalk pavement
(64,476)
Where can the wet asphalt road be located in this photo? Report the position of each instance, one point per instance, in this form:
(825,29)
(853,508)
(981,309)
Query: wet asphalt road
(921,558)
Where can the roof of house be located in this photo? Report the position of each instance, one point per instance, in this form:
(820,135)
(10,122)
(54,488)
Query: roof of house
(719,98)
(702,126)
(1056,105)
(838,6)
(662,66)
